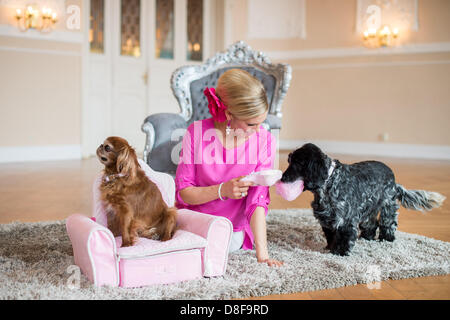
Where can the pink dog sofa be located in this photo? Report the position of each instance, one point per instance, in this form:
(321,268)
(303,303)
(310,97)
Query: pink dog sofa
(198,249)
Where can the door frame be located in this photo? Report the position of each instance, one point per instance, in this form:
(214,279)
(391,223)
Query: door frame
(211,34)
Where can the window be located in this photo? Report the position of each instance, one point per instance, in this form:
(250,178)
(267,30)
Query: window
(130,28)
(195,30)
(164,29)
(97,26)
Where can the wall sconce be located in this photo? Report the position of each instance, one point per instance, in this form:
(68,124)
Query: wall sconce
(383,37)
(31,18)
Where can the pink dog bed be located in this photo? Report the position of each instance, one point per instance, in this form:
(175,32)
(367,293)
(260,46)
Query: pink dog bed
(198,249)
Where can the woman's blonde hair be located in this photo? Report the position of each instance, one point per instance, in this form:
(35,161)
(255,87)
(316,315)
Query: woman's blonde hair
(243,94)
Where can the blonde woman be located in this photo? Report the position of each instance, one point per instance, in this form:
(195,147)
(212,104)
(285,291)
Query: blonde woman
(217,152)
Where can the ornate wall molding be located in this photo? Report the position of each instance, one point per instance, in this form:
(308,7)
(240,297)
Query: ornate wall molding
(358,51)
(281,19)
(57,35)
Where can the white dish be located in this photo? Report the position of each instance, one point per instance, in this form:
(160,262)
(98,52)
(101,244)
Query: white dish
(264,178)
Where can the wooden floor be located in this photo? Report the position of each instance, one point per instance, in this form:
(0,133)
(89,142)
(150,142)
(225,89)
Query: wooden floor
(54,190)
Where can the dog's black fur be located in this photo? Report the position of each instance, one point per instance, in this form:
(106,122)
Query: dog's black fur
(353,196)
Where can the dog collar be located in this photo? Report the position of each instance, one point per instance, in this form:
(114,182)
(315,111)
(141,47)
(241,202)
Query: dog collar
(112,177)
(331,170)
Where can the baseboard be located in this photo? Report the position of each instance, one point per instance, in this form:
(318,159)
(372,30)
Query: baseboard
(39,153)
(70,152)
(394,150)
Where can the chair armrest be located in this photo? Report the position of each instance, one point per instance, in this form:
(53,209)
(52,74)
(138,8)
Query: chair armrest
(273,122)
(216,230)
(94,250)
(164,131)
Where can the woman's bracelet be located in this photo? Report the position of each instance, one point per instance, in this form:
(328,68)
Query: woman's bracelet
(220,196)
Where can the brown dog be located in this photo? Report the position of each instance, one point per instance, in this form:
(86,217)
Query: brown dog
(133,203)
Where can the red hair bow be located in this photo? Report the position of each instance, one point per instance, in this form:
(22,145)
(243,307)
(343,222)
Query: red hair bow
(215,106)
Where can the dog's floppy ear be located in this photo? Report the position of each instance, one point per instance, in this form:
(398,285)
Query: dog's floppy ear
(316,171)
(126,162)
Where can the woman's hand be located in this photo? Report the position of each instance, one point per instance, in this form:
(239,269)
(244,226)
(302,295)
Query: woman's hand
(235,189)
(272,262)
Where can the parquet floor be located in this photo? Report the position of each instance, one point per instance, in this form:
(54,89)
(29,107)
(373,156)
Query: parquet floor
(53,190)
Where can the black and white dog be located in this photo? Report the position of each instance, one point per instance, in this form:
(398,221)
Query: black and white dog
(348,198)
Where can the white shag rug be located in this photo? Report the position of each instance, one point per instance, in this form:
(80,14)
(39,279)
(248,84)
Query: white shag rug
(36,262)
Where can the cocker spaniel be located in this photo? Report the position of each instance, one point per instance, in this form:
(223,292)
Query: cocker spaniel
(134,205)
(353,200)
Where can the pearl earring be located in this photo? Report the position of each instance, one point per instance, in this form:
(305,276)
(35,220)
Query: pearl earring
(228,129)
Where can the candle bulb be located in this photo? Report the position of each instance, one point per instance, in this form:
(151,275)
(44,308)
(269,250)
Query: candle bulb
(395,32)
(38,19)
(385,31)
(372,32)
(366,34)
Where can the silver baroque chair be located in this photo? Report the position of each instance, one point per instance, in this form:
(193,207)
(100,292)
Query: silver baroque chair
(188,83)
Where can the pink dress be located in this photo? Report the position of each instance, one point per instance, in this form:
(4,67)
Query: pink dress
(205,162)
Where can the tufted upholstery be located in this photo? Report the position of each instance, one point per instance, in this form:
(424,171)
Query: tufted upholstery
(189,82)
(200,102)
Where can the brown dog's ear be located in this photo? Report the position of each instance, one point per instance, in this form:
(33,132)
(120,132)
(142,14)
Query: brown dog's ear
(126,162)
